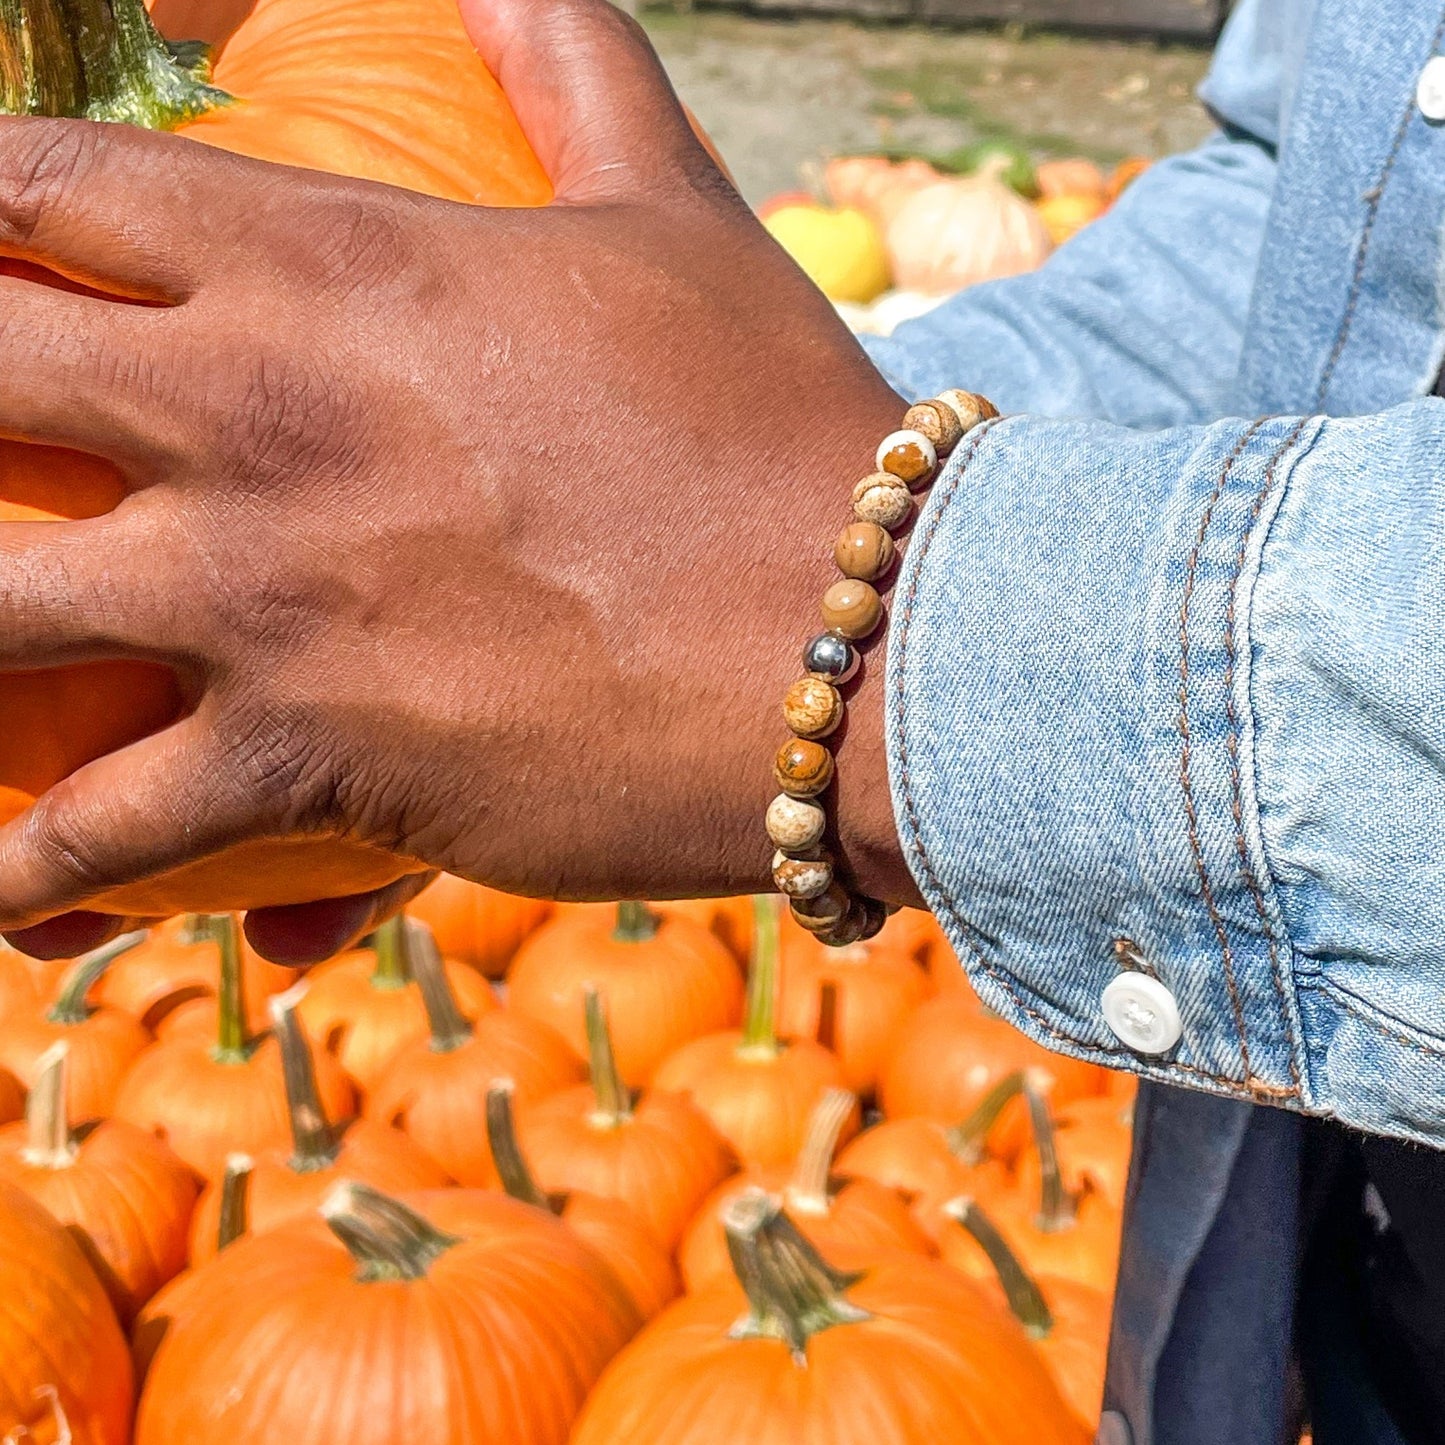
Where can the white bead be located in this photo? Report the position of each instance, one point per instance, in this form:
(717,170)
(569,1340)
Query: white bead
(794,823)
(1430,92)
(1142,1013)
(907,438)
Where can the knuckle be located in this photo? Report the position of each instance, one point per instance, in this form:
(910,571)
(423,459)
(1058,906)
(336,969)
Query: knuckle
(48,161)
(284,770)
(360,249)
(53,835)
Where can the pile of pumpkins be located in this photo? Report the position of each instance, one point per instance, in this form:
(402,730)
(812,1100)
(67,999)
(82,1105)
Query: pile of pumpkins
(889,239)
(516,1174)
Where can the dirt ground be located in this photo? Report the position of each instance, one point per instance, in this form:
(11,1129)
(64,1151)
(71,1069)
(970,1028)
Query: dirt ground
(779,95)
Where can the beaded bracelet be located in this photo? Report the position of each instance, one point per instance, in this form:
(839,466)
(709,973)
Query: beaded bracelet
(803,869)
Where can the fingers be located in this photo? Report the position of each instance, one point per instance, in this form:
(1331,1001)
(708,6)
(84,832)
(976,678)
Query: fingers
(111,206)
(71,934)
(178,796)
(589,91)
(92,375)
(310,932)
(75,592)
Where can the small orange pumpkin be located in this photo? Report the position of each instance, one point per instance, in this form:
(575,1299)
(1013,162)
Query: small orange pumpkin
(758,1089)
(125,1197)
(666,979)
(478,926)
(657,1153)
(1072,177)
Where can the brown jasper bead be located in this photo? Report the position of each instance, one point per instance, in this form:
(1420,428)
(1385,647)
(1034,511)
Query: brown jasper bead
(909,455)
(851,928)
(882,499)
(803,769)
(939,423)
(823,913)
(794,824)
(804,876)
(863,551)
(852,609)
(968,407)
(813,708)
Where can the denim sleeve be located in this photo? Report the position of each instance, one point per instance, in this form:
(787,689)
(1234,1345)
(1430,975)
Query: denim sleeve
(1178,697)
(1140,318)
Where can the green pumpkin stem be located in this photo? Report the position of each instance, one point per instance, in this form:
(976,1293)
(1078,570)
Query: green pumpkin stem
(807,1191)
(233,1040)
(49,1142)
(315,1142)
(235,1187)
(969,1139)
(391,943)
(1024,1297)
(613,1097)
(72,1007)
(1057,1208)
(100,60)
(793,1293)
(636,922)
(512,1168)
(450,1028)
(195,928)
(387,1240)
(760,1032)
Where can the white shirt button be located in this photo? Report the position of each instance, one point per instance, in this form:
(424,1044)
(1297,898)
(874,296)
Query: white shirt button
(1142,1013)
(1430,93)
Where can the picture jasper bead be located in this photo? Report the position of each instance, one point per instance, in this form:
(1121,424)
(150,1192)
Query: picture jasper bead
(831,659)
(803,877)
(864,551)
(939,423)
(812,708)
(883,499)
(852,609)
(850,928)
(909,455)
(823,913)
(803,769)
(968,407)
(794,824)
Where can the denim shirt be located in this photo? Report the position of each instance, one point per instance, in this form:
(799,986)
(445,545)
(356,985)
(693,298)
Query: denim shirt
(1167,665)
(1167,658)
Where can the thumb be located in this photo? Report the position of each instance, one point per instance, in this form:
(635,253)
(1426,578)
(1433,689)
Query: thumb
(589,91)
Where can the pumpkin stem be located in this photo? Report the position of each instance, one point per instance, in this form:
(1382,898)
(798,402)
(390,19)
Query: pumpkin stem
(760,1034)
(969,1139)
(827,1033)
(387,1240)
(1056,1207)
(233,1042)
(793,1293)
(391,943)
(517,1178)
(636,922)
(450,1029)
(1025,1298)
(614,1098)
(807,1191)
(194,928)
(235,1185)
(49,1144)
(71,1006)
(100,60)
(314,1141)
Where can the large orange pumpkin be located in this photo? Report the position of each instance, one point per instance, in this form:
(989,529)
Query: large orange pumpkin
(449,1316)
(392,93)
(65,1374)
(912,1352)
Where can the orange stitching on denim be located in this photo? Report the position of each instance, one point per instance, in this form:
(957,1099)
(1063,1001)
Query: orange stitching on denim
(1236,782)
(1373,199)
(914,827)
(1186,749)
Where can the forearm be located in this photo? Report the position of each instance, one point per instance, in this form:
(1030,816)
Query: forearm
(1181,689)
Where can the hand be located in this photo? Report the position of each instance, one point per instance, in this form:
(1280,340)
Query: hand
(490,537)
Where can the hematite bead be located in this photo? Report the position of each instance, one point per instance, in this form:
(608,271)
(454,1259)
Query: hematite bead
(832,658)
(803,769)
